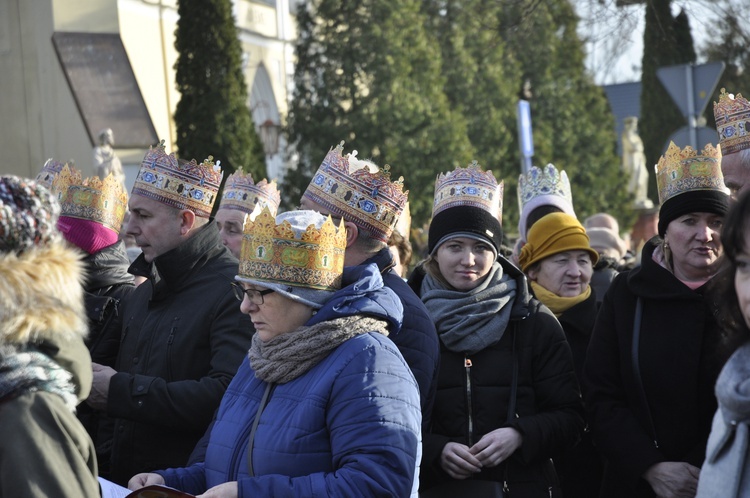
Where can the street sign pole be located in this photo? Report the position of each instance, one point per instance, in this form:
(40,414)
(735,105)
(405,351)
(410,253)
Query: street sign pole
(525,137)
(691,119)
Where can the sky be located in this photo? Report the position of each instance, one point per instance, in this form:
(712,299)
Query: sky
(615,35)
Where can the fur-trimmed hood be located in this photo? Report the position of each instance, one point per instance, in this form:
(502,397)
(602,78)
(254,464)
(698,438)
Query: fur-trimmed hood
(41,304)
(41,295)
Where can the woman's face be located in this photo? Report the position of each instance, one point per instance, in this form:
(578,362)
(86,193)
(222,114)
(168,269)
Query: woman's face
(464,262)
(695,243)
(277,315)
(566,274)
(742,278)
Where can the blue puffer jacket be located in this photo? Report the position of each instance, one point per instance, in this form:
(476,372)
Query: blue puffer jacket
(348,427)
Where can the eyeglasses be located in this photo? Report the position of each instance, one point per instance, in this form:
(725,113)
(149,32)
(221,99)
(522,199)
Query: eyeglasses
(255,296)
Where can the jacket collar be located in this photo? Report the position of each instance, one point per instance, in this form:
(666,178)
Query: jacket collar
(174,269)
(107,267)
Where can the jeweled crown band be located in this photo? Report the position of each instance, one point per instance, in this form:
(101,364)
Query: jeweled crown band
(275,253)
(180,184)
(468,186)
(732,114)
(242,194)
(684,170)
(370,200)
(102,201)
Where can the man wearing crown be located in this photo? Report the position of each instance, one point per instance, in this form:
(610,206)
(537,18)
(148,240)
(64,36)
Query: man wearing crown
(370,205)
(732,115)
(182,334)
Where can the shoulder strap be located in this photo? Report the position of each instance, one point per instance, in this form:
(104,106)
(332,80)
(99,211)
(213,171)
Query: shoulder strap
(261,407)
(634,356)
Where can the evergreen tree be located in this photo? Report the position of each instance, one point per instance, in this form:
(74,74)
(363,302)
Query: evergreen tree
(666,42)
(572,124)
(368,72)
(212,117)
(481,84)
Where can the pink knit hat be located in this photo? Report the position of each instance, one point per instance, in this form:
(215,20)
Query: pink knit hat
(89,235)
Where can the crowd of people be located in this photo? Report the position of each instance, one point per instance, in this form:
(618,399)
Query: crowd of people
(262,353)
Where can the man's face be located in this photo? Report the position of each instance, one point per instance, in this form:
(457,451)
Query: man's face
(736,171)
(157,228)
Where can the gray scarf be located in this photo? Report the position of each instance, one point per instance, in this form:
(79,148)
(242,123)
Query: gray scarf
(28,370)
(468,322)
(288,356)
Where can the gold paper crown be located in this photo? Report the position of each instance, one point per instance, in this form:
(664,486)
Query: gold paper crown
(468,186)
(370,200)
(176,183)
(102,201)
(543,181)
(732,116)
(680,171)
(275,253)
(50,169)
(242,194)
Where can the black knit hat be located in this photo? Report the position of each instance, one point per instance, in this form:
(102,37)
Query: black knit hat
(692,201)
(464,220)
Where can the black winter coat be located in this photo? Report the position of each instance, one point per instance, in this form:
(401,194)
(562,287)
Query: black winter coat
(678,366)
(107,284)
(183,337)
(548,404)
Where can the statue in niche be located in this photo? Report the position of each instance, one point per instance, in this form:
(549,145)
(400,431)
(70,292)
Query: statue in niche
(105,159)
(634,164)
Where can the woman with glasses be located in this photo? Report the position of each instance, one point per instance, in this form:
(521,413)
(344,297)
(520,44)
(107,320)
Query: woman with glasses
(325,405)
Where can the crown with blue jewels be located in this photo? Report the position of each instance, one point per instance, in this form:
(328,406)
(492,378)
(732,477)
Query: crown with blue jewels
(50,169)
(468,186)
(543,181)
(243,194)
(93,199)
(732,114)
(683,170)
(276,253)
(370,200)
(180,184)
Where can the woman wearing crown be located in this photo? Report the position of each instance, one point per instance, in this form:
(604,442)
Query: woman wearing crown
(507,396)
(652,361)
(325,405)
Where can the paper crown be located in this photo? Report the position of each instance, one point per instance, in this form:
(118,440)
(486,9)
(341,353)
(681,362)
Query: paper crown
(680,171)
(277,254)
(102,201)
(50,169)
(369,200)
(543,181)
(242,194)
(468,186)
(176,183)
(732,115)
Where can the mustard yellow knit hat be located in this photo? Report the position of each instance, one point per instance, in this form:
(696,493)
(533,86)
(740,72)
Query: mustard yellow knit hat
(554,233)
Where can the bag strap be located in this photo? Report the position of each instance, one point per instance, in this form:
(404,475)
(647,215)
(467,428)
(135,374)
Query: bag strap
(261,407)
(634,356)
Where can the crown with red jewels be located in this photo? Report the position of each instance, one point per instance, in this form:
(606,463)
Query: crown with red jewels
(50,169)
(370,200)
(242,194)
(177,183)
(312,258)
(102,201)
(543,181)
(732,115)
(680,171)
(468,186)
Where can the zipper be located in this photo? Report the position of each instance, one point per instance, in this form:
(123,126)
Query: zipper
(467,367)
